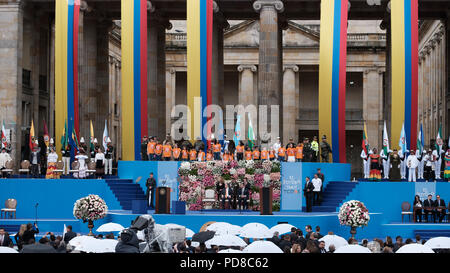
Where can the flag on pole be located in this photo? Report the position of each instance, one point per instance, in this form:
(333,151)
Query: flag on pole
(64,136)
(420,140)
(439,141)
(74,137)
(64,232)
(32,136)
(385,140)
(105,136)
(237,130)
(251,134)
(91,137)
(4,139)
(46,136)
(402,140)
(365,141)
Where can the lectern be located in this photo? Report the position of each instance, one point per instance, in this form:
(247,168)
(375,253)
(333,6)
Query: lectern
(265,196)
(162,200)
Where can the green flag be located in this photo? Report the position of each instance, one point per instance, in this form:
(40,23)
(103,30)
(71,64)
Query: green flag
(64,136)
(251,134)
(74,136)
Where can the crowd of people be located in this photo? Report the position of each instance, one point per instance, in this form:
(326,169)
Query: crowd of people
(396,165)
(431,210)
(295,241)
(154,149)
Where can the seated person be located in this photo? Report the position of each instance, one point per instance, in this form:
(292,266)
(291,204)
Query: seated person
(429,208)
(417,207)
(226,194)
(243,196)
(440,208)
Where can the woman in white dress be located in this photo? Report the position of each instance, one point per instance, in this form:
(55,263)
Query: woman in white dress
(99,163)
(82,157)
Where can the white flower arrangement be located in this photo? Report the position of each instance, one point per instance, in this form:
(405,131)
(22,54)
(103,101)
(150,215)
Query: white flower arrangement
(233,171)
(91,207)
(353,213)
(249,164)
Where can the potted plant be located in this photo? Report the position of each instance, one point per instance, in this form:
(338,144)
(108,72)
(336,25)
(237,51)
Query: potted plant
(354,214)
(89,209)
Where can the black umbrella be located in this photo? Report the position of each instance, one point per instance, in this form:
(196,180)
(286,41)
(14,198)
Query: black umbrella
(38,248)
(203,236)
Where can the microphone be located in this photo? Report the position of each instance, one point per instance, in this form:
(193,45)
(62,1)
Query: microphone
(37,204)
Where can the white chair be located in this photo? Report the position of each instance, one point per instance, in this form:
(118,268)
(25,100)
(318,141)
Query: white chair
(10,209)
(25,167)
(8,168)
(75,167)
(406,206)
(209,199)
(91,168)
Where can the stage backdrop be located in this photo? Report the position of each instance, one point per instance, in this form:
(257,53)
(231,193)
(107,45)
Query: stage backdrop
(291,186)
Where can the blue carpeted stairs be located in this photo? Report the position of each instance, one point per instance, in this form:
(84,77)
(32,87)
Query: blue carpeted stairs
(333,195)
(125,191)
(427,234)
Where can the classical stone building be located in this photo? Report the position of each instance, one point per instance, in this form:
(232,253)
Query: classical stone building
(258,47)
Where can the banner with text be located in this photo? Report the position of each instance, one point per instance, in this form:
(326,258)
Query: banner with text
(291,186)
(422,189)
(167,177)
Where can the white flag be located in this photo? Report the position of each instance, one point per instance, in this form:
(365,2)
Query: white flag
(64,232)
(385,140)
(105,137)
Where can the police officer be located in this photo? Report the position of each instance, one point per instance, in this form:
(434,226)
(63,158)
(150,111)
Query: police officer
(325,149)
(315,149)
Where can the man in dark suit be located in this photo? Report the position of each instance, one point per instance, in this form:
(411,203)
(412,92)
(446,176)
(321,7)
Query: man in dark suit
(226,195)
(300,239)
(308,192)
(309,231)
(69,235)
(318,232)
(275,238)
(150,184)
(243,195)
(429,208)
(286,242)
(5,240)
(440,208)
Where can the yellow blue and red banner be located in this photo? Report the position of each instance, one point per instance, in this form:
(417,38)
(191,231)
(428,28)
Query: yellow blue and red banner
(66,62)
(332,75)
(199,62)
(404,26)
(134,77)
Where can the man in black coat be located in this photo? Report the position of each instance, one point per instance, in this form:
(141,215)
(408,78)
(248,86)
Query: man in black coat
(128,243)
(300,239)
(69,235)
(275,238)
(144,144)
(307,150)
(429,208)
(5,240)
(286,242)
(440,212)
(308,192)
(243,196)
(150,184)
(226,194)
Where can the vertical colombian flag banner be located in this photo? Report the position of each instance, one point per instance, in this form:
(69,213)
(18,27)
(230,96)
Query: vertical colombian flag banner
(134,77)
(332,74)
(66,67)
(405,43)
(199,62)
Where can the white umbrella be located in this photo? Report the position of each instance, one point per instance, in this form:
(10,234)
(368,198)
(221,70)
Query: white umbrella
(225,240)
(79,240)
(262,247)
(224,228)
(230,250)
(255,230)
(98,246)
(352,249)
(189,233)
(4,249)
(335,240)
(110,227)
(415,248)
(438,242)
(281,228)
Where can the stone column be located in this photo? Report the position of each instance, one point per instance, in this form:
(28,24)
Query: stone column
(373,105)
(388,77)
(51,123)
(270,56)
(446,40)
(171,92)
(290,102)
(247,90)
(11,46)
(156,72)
(35,66)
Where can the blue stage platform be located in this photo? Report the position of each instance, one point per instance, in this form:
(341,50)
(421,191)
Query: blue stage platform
(383,199)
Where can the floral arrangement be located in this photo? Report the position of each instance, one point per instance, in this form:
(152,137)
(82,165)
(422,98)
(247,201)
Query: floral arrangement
(196,177)
(353,213)
(90,208)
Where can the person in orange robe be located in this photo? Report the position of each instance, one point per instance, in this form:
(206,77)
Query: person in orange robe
(158,151)
(248,154)
(151,149)
(184,154)
(271,155)
(167,152)
(282,154)
(193,155)
(209,155)
(240,151)
(216,149)
(201,155)
(291,151)
(256,154)
(264,154)
(299,152)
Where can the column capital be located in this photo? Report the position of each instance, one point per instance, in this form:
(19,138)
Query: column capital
(275,4)
(251,67)
(172,70)
(85,7)
(150,7)
(292,67)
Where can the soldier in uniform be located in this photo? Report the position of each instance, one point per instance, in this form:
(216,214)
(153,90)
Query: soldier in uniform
(144,144)
(94,150)
(307,151)
(83,144)
(109,157)
(325,149)
(66,158)
(315,149)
